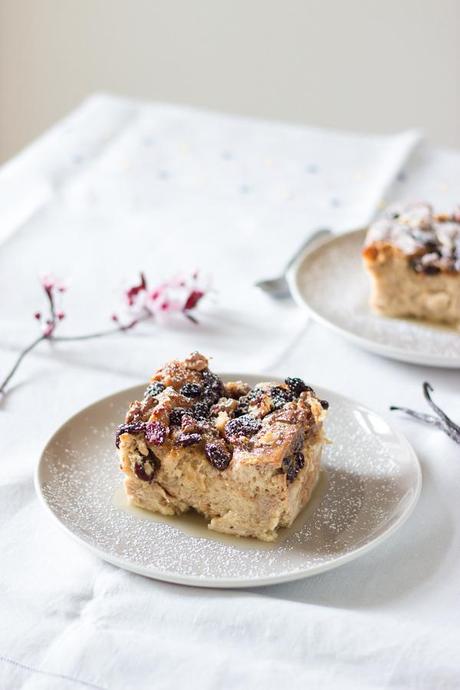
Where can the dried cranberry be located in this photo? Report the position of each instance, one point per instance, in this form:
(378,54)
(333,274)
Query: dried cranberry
(242,426)
(188,439)
(147,468)
(139,471)
(280,396)
(431,247)
(175,416)
(134,428)
(155,433)
(253,396)
(188,423)
(218,455)
(199,410)
(292,465)
(212,387)
(296,385)
(324,404)
(191,390)
(431,270)
(154,389)
(243,407)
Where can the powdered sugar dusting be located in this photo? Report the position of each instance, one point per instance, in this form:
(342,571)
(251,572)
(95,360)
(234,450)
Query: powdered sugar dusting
(416,230)
(369,480)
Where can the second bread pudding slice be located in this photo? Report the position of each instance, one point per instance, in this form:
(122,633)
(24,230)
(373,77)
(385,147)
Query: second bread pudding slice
(246,458)
(413,258)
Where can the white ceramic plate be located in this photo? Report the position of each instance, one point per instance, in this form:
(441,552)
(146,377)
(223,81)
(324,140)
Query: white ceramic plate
(329,281)
(369,484)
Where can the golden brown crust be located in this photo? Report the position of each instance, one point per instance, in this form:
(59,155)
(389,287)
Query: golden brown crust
(380,253)
(429,241)
(237,423)
(220,448)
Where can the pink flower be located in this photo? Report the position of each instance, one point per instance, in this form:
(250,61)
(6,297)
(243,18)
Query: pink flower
(193,299)
(51,285)
(50,282)
(49,327)
(133,292)
(179,294)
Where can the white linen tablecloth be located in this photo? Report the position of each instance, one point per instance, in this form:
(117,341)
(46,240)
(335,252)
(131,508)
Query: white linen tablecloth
(122,186)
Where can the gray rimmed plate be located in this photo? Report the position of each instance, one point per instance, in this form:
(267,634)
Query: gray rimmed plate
(330,283)
(369,484)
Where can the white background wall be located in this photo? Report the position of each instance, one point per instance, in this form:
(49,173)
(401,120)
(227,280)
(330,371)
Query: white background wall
(370,65)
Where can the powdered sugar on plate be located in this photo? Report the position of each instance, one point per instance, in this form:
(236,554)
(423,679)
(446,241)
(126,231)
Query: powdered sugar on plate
(369,484)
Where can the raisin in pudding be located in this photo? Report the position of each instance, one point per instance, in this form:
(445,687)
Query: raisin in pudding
(246,458)
(413,258)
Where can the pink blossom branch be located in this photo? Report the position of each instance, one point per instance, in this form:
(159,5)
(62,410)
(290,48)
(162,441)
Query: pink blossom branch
(102,334)
(144,303)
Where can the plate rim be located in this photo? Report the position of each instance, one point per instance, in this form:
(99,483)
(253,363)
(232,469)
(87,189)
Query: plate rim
(231,583)
(388,351)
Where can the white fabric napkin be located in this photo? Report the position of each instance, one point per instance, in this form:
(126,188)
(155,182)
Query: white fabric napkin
(122,186)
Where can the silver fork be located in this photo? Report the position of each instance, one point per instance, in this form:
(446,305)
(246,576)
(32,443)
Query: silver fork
(278,287)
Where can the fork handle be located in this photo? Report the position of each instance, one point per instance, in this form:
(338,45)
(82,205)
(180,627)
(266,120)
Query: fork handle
(318,234)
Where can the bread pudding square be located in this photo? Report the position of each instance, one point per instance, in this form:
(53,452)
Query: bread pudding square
(413,258)
(246,458)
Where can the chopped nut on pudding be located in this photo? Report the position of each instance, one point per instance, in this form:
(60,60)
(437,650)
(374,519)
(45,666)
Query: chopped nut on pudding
(246,458)
(413,258)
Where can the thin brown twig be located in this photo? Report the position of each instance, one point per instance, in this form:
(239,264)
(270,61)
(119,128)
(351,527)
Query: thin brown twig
(101,334)
(64,338)
(51,286)
(16,365)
